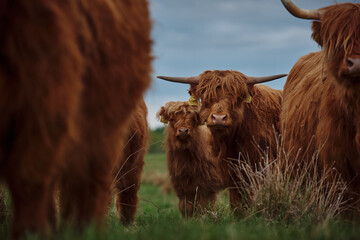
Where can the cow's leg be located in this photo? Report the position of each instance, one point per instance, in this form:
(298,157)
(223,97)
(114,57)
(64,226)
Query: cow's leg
(52,208)
(30,200)
(65,202)
(235,200)
(205,202)
(85,197)
(186,207)
(98,195)
(85,186)
(29,178)
(127,186)
(3,210)
(211,201)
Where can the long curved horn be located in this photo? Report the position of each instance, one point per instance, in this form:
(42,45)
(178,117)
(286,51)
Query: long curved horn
(255,80)
(187,80)
(301,13)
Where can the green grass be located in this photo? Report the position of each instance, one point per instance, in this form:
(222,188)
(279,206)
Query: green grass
(156,139)
(152,200)
(155,162)
(158,218)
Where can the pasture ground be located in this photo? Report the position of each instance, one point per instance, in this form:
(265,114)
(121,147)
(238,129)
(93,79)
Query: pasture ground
(158,218)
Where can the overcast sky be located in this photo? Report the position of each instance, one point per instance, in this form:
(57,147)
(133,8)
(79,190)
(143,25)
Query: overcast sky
(256,37)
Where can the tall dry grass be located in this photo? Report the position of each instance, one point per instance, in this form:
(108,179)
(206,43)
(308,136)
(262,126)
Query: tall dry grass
(289,190)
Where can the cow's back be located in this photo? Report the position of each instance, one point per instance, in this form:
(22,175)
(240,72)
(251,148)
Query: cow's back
(269,103)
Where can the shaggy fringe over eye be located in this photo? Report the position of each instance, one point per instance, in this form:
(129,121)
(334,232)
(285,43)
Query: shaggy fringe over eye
(217,84)
(340,29)
(178,107)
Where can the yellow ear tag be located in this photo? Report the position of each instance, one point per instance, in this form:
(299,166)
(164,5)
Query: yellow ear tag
(248,99)
(163,120)
(193,101)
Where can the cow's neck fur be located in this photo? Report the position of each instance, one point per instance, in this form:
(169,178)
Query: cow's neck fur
(256,130)
(343,114)
(258,126)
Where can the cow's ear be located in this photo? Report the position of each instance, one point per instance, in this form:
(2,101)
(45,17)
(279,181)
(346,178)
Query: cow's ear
(251,89)
(192,90)
(196,118)
(316,35)
(162,115)
(199,121)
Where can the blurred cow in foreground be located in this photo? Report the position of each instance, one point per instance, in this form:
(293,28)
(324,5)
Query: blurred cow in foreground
(193,168)
(71,75)
(321,110)
(129,169)
(242,117)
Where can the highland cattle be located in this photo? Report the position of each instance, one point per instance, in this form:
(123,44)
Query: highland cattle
(193,168)
(321,106)
(71,74)
(242,117)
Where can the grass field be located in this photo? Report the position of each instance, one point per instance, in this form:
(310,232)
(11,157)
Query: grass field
(159,218)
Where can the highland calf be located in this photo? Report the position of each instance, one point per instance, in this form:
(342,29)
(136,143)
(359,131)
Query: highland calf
(321,106)
(241,116)
(193,168)
(71,74)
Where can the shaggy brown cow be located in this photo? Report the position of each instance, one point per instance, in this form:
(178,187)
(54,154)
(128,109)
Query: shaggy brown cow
(321,110)
(71,74)
(193,168)
(240,116)
(128,171)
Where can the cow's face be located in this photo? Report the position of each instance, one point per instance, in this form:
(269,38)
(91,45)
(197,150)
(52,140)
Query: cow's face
(222,95)
(182,119)
(221,115)
(338,33)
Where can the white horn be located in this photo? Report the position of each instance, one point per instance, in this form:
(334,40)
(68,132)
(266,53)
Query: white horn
(187,80)
(301,13)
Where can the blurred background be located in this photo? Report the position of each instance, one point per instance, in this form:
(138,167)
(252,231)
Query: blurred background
(256,37)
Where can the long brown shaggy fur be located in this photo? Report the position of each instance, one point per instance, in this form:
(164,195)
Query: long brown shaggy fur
(193,169)
(247,124)
(321,109)
(338,34)
(129,169)
(71,74)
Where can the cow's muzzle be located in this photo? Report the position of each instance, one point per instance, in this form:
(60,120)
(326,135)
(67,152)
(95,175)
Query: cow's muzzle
(218,119)
(183,133)
(353,66)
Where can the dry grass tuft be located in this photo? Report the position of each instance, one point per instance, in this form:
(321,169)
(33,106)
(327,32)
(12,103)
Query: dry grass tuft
(289,190)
